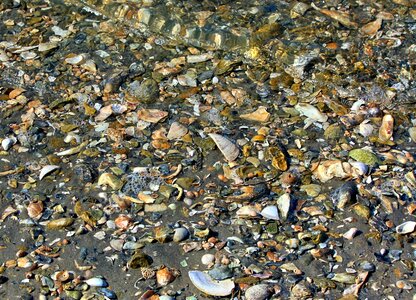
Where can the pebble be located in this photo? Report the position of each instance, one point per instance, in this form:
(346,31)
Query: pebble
(220,272)
(258,292)
(180,234)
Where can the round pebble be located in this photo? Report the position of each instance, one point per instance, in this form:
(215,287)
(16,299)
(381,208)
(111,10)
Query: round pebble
(180,234)
(207,259)
(258,292)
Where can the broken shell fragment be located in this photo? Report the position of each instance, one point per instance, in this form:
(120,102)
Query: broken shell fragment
(152,115)
(46,170)
(58,224)
(110,179)
(350,234)
(406,227)
(206,284)
(7,143)
(176,131)
(311,112)
(270,212)
(386,130)
(227,148)
(259,115)
(35,209)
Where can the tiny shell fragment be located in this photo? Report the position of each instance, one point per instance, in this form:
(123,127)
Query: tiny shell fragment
(46,170)
(152,115)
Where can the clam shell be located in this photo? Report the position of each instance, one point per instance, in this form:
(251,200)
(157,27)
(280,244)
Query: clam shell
(7,143)
(227,148)
(176,131)
(206,284)
(95,281)
(386,130)
(46,170)
(311,111)
(406,227)
(270,212)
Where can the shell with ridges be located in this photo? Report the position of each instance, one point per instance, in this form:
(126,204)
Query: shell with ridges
(227,148)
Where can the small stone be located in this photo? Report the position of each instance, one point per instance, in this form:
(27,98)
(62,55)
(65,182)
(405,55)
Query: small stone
(180,234)
(258,292)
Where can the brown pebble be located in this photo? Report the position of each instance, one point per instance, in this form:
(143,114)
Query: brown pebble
(287,178)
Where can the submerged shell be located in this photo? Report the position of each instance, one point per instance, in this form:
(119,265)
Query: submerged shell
(386,130)
(270,212)
(259,115)
(152,115)
(227,148)
(176,131)
(311,111)
(406,227)
(46,170)
(206,284)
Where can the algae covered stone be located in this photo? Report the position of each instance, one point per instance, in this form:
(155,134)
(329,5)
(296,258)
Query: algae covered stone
(364,156)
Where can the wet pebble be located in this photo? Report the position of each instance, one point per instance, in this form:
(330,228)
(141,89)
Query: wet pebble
(180,234)
(258,292)
(221,272)
(207,259)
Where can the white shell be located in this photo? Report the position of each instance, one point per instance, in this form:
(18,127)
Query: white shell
(207,259)
(406,227)
(366,129)
(350,234)
(311,111)
(227,148)
(206,284)
(270,212)
(283,203)
(7,143)
(46,170)
(176,131)
(95,281)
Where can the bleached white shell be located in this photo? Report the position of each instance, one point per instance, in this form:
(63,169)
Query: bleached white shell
(406,227)
(366,129)
(46,170)
(227,148)
(206,284)
(7,143)
(270,212)
(350,234)
(283,203)
(95,281)
(311,111)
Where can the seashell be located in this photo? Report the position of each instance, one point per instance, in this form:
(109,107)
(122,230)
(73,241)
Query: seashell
(359,168)
(259,115)
(90,66)
(270,212)
(123,222)
(62,276)
(7,143)
(406,227)
(344,278)
(372,27)
(58,224)
(164,276)
(110,179)
(176,131)
(247,211)
(152,115)
(180,234)
(386,130)
(412,133)
(74,150)
(227,148)
(104,113)
(284,203)
(365,129)
(206,284)
(42,47)
(35,209)
(350,234)
(47,169)
(311,112)
(75,59)
(207,259)
(96,281)
(345,195)
(258,292)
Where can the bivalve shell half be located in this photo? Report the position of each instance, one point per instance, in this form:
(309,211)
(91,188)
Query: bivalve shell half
(270,212)
(47,169)
(96,281)
(406,227)
(206,284)
(7,143)
(35,209)
(386,130)
(227,148)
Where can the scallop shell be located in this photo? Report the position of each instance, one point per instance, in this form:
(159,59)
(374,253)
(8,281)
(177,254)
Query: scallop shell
(270,212)
(227,148)
(206,284)
(46,170)
(406,227)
